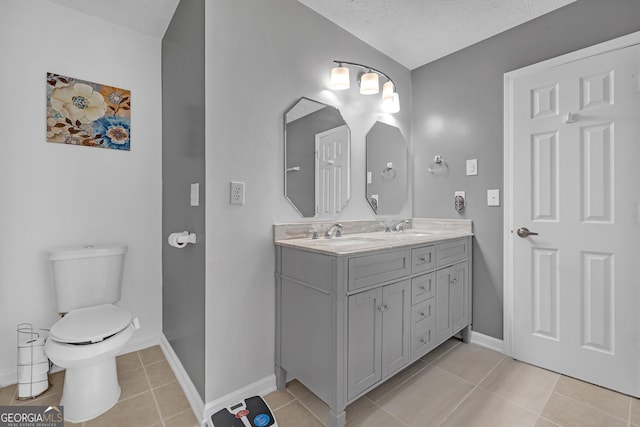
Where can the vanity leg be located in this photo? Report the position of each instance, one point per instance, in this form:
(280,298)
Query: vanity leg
(337,420)
(466,334)
(281,378)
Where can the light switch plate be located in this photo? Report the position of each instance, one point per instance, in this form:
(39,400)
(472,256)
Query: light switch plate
(493,197)
(472,167)
(195,194)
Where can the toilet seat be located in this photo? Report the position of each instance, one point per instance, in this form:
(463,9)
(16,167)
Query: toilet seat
(90,325)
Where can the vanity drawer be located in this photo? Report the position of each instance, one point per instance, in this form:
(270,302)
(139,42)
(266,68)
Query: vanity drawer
(422,288)
(422,328)
(371,269)
(422,311)
(453,251)
(423,259)
(422,338)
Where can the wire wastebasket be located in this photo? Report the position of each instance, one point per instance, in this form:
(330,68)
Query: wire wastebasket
(33,364)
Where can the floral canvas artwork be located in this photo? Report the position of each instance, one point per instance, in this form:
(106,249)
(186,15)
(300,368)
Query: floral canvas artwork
(85,113)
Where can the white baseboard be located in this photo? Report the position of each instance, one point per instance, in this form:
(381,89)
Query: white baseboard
(190,391)
(258,388)
(487,341)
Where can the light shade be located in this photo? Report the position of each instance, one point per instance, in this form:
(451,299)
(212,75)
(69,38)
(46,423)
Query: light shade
(369,84)
(387,91)
(339,78)
(391,105)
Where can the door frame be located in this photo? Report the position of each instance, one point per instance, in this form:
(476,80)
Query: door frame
(508,236)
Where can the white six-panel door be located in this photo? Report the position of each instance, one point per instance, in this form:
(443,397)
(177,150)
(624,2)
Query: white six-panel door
(575,170)
(332,170)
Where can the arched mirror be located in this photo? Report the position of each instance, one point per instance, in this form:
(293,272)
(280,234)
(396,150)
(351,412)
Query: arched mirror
(317,159)
(387,169)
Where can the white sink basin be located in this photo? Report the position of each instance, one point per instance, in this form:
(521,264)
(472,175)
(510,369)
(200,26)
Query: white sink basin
(417,233)
(344,241)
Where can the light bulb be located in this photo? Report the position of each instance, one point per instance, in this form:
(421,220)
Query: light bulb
(339,78)
(391,105)
(387,91)
(369,84)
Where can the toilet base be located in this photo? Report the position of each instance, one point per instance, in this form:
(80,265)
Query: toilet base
(90,390)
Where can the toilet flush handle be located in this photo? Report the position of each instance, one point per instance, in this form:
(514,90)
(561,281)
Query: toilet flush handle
(136,323)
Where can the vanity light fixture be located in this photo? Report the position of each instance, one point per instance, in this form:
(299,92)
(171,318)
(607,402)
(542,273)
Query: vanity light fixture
(369,82)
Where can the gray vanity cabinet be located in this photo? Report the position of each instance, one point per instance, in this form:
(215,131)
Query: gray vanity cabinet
(347,322)
(378,335)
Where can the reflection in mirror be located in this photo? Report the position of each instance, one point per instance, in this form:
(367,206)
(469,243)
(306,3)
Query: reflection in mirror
(387,171)
(317,159)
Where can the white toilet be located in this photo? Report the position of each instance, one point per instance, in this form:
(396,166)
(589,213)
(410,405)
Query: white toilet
(87,282)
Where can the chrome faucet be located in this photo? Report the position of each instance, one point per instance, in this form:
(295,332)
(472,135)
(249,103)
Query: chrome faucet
(400,226)
(338,227)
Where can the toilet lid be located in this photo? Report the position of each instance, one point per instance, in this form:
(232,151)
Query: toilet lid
(91,324)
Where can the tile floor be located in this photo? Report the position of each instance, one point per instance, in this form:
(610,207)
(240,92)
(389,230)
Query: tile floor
(467,385)
(455,385)
(150,396)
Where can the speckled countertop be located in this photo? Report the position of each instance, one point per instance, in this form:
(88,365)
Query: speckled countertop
(423,231)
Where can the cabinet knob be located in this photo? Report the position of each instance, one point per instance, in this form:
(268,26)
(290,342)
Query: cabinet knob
(422,259)
(454,281)
(385,307)
(423,341)
(422,314)
(423,288)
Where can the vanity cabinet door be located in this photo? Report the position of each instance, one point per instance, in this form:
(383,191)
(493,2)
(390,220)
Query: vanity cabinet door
(396,318)
(452,300)
(364,348)
(459,290)
(443,303)
(378,335)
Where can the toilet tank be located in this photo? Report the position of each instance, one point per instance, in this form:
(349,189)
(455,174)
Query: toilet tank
(85,276)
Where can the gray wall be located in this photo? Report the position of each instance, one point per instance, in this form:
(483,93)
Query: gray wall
(291,49)
(183,163)
(458,113)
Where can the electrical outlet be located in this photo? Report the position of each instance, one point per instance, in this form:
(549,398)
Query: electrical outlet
(237,193)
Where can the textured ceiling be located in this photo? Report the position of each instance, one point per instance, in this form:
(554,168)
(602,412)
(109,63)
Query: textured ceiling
(150,17)
(415,32)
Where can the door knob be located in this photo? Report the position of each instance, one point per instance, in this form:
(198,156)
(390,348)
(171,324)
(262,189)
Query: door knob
(524,232)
